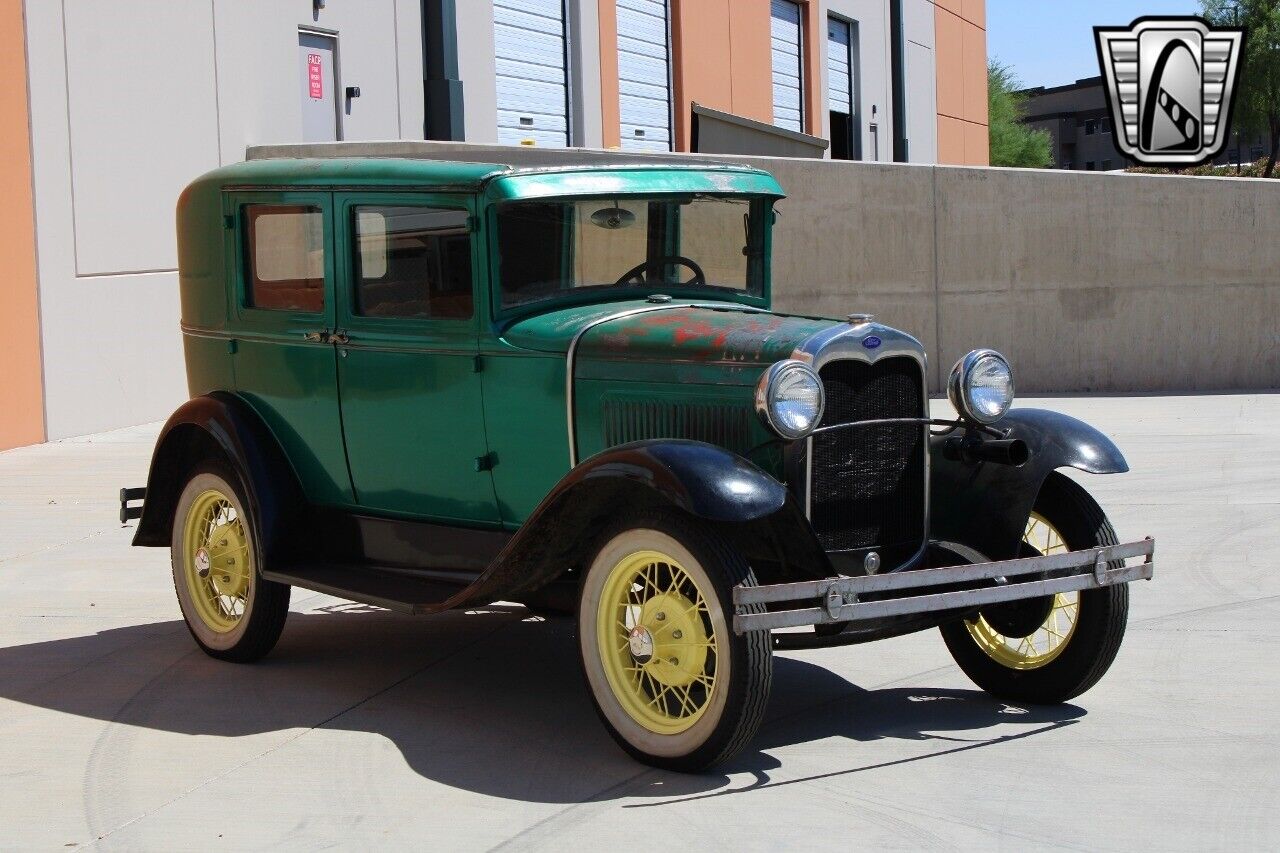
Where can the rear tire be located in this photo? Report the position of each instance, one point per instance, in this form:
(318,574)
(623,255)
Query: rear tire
(1011,666)
(232,613)
(675,687)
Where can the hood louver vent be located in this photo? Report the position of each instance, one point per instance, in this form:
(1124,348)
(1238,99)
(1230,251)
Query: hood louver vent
(724,425)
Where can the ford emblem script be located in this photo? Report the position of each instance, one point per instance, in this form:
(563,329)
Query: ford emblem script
(871,342)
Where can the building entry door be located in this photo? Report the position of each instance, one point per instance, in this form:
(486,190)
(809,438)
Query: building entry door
(317,55)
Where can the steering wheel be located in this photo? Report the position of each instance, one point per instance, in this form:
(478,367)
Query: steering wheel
(636,275)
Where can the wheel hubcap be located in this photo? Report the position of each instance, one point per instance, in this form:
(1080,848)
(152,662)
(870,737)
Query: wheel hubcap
(657,642)
(1016,639)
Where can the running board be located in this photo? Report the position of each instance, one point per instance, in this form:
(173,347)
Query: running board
(411,591)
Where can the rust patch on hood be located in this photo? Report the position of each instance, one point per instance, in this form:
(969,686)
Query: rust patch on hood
(701,335)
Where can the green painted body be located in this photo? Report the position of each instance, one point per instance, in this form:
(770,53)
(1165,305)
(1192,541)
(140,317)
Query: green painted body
(464,421)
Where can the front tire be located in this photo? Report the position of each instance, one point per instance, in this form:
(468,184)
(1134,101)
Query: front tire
(1050,650)
(232,613)
(672,683)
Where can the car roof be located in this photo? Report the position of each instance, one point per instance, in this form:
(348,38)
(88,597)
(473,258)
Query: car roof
(500,181)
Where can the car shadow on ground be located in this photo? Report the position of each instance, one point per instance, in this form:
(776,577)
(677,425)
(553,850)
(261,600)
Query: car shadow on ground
(490,701)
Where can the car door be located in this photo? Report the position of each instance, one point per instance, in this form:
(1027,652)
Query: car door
(284,308)
(412,411)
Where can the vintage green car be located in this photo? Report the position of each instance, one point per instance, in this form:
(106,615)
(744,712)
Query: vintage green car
(429,385)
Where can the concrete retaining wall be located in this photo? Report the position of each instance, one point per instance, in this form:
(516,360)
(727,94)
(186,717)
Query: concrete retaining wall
(1087,282)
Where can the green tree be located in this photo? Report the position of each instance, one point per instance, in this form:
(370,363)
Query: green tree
(1257,99)
(1013,143)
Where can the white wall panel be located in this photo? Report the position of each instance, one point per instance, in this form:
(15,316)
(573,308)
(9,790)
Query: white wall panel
(788,83)
(839,67)
(644,86)
(530,71)
(132,99)
(143,120)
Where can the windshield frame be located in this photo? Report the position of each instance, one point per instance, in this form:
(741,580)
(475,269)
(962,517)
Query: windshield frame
(598,295)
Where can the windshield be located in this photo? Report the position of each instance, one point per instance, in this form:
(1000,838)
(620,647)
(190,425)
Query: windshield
(548,249)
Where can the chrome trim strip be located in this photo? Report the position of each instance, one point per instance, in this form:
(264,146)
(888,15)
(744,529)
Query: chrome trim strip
(844,341)
(571,362)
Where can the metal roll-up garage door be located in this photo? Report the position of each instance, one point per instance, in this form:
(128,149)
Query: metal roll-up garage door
(644,87)
(529,47)
(841,94)
(787,78)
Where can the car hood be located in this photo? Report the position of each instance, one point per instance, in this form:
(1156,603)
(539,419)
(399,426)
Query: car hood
(688,333)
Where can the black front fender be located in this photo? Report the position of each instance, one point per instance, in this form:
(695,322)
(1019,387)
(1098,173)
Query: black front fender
(752,509)
(986,505)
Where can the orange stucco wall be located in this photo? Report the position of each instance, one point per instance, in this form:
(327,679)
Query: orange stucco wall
(960,54)
(717,47)
(609,108)
(21,382)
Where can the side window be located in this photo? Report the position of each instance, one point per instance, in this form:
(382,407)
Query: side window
(412,262)
(285,257)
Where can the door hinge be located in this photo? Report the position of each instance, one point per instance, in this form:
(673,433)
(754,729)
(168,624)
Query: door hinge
(484,463)
(478,364)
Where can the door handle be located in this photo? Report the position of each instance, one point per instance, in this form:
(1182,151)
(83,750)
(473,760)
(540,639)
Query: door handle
(339,338)
(316,337)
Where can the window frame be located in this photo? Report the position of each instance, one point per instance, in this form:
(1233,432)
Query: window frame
(503,315)
(345,205)
(236,233)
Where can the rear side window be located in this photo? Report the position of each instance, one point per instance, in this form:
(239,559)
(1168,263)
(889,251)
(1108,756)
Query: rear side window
(286,257)
(412,262)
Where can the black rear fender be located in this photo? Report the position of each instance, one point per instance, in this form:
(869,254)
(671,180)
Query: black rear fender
(221,427)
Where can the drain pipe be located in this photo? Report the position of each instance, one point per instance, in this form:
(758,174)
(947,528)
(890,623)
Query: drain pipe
(442,89)
(898,58)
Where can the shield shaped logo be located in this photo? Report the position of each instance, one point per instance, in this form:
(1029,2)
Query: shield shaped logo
(1169,87)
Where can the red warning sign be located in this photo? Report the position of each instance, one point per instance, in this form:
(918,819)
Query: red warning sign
(315,75)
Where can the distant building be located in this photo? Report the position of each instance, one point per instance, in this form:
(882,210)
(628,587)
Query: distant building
(1079,123)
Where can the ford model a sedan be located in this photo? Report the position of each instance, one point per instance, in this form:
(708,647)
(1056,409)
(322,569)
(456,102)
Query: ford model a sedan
(427,385)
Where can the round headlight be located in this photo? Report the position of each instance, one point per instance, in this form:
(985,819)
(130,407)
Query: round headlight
(981,386)
(790,400)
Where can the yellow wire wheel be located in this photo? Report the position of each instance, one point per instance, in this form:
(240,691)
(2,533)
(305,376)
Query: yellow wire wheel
(1042,645)
(217,563)
(214,562)
(673,684)
(656,641)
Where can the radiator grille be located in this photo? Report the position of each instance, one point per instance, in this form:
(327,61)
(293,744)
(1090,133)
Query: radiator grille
(868,484)
(726,425)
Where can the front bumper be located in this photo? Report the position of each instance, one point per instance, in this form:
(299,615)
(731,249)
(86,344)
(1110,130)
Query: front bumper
(852,601)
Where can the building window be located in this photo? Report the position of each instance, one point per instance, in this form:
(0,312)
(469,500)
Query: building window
(1256,152)
(1090,127)
(1090,166)
(1106,165)
(412,262)
(286,257)
(788,74)
(1068,165)
(1105,126)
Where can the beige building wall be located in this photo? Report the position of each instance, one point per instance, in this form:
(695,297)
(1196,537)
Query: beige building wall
(130,101)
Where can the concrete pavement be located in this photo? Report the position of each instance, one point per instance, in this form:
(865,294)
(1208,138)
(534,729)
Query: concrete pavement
(474,731)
